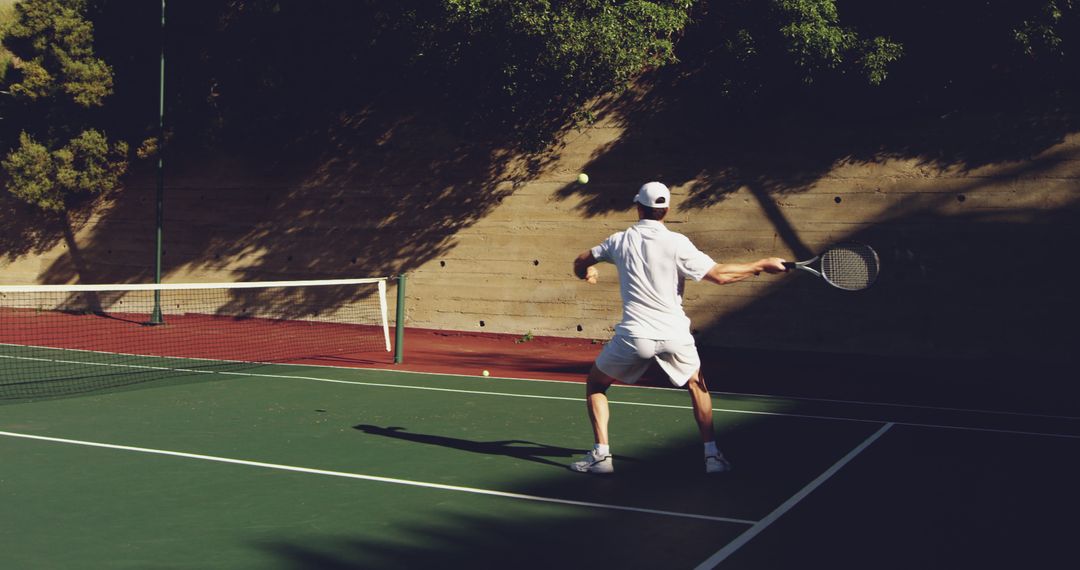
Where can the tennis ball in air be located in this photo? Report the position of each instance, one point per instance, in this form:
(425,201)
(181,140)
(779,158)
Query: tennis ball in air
(486,373)
(583,178)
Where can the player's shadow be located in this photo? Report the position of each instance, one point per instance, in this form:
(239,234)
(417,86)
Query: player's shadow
(516,448)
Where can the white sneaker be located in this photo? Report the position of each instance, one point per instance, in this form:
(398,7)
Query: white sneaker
(593,462)
(717,464)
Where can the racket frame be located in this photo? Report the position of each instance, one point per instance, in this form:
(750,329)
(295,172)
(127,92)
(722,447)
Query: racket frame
(804,265)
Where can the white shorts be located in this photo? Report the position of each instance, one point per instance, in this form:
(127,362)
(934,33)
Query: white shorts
(627,358)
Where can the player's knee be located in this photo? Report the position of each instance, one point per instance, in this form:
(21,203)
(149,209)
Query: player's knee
(592,387)
(697,382)
(598,381)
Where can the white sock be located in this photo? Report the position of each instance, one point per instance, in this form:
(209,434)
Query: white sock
(711,449)
(602,449)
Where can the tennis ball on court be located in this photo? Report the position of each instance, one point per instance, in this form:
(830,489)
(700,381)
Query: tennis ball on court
(583,178)
(486,373)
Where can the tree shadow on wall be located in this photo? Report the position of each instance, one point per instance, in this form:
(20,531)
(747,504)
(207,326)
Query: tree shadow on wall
(297,151)
(713,124)
(294,151)
(974,307)
(970,311)
(963,277)
(974,300)
(26,230)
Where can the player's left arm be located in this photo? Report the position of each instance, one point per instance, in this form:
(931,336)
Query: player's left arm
(583,266)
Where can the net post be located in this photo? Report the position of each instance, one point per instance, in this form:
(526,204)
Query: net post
(382,314)
(399,322)
(155,316)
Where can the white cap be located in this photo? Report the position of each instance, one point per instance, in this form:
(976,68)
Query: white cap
(654,195)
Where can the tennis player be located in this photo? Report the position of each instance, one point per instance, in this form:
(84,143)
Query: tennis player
(653,264)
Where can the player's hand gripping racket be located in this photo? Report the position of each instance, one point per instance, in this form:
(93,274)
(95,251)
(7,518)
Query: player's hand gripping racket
(848,266)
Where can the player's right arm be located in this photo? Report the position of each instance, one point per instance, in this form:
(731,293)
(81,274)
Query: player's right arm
(583,266)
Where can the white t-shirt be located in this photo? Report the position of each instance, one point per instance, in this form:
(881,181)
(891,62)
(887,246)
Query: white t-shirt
(653,264)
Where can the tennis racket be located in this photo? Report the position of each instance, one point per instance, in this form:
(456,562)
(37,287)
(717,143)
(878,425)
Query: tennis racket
(848,266)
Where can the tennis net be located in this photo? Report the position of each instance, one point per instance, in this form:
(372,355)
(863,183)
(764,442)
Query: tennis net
(60,340)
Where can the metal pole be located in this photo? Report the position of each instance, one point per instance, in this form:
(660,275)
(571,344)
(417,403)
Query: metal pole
(155,318)
(399,322)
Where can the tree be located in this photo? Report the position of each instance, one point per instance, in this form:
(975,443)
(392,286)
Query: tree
(816,40)
(544,58)
(512,72)
(534,64)
(56,82)
(1043,28)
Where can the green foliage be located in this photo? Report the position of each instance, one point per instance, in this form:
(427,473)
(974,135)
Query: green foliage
(30,169)
(876,55)
(87,164)
(56,78)
(815,38)
(1040,33)
(55,45)
(818,41)
(544,58)
(518,70)
(7,14)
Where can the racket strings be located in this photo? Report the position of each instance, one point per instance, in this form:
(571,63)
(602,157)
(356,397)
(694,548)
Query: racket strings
(850,267)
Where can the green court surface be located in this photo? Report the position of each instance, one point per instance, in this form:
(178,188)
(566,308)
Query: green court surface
(301,467)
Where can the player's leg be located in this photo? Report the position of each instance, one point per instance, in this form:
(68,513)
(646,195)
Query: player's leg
(596,399)
(598,459)
(620,359)
(701,401)
(681,362)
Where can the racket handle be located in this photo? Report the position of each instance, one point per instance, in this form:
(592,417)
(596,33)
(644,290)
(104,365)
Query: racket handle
(789,265)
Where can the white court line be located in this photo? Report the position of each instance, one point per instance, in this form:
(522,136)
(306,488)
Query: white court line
(787,505)
(564,398)
(722,393)
(475,377)
(897,405)
(378,479)
(653,405)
